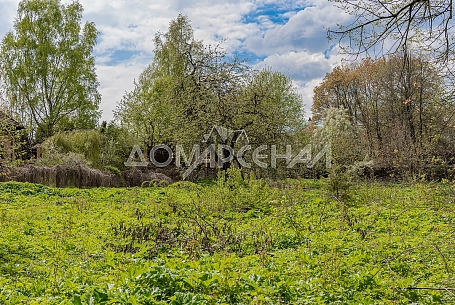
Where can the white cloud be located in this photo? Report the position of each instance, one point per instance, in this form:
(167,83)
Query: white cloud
(305,31)
(303,66)
(306,91)
(300,66)
(306,69)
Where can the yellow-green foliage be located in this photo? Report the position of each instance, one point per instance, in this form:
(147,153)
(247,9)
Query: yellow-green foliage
(85,143)
(230,241)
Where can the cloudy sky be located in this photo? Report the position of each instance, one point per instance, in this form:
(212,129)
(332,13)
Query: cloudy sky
(287,36)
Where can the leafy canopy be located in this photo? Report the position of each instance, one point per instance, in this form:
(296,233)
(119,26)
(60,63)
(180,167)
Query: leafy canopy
(190,87)
(48,69)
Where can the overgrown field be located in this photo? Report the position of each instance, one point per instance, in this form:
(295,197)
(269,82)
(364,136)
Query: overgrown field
(228,241)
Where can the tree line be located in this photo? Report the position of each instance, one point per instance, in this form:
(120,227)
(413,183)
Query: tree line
(396,110)
(404,108)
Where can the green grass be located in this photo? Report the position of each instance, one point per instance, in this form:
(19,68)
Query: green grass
(227,242)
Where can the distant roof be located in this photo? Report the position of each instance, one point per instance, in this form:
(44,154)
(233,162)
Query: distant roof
(9,121)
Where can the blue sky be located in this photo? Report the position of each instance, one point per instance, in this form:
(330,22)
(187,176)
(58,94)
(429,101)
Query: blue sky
(287,36)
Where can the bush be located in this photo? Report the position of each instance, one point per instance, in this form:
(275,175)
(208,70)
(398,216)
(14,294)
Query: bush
(72,148)
(55,156)
(114,170)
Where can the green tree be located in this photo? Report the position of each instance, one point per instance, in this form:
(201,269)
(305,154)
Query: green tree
(146,112)
(341,135)
(200,82)
(190,87)
(344,140)
(48,68)
(116,145)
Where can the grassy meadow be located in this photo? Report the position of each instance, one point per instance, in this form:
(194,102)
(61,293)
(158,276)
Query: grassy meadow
(228,241)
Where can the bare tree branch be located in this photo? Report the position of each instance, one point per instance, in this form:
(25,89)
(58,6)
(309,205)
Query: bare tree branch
(396,26)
